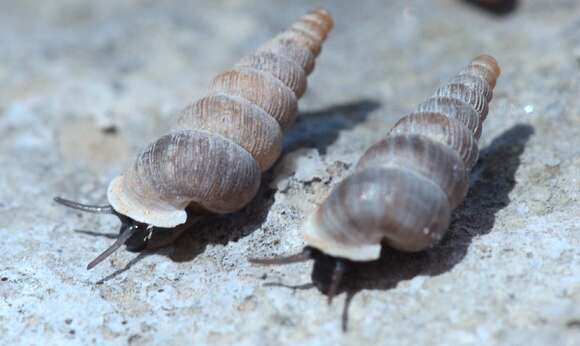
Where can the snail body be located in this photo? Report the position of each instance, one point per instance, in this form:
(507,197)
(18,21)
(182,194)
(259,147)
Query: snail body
(405,187)
(212,159)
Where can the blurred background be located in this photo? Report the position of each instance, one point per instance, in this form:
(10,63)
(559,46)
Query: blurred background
(84,85)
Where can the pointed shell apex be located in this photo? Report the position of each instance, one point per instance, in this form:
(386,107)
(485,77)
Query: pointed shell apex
(124,202)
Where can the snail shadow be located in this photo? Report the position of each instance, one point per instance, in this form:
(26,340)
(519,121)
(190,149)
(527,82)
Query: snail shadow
(316,129)
(319,129)
(498,8)
(488,194)
(223,229)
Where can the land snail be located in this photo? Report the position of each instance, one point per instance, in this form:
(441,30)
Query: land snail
(212,160)
(405,186)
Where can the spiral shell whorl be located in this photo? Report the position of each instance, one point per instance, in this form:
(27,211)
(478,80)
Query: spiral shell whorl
(221,143)
(405,186)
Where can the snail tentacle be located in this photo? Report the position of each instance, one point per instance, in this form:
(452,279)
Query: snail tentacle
(98,209)
(125,235)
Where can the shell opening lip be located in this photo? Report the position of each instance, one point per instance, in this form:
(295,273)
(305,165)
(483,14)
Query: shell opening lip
(124,202)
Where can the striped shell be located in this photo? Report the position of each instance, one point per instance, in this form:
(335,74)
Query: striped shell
(405,186)
(214,156)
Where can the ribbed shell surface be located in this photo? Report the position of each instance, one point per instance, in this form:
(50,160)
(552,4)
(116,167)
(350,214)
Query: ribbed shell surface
(405,187)
(221,143)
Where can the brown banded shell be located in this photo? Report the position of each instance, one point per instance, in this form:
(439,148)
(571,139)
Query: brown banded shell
(239,120)
(454,109)
(405,187)
(490,64)
(214,157)
(279,66)
(439,161)
(476,83)
(463,92)
(300,55)
(443,129)
(261,89)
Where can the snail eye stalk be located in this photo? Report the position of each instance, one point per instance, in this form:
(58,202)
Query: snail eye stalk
(125,235)
(97,209)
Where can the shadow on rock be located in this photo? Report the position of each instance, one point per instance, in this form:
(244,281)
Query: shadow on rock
(223,229)
(320,129)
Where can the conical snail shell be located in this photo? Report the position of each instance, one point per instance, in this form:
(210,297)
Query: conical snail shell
(215,155)
(405,186)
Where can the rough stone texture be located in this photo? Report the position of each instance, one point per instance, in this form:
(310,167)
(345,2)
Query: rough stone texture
(72,72)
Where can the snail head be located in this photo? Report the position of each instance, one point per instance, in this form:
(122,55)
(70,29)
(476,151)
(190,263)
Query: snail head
(132,233)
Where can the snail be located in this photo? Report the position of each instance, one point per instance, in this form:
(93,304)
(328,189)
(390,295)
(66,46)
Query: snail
(405,186)
(212,160)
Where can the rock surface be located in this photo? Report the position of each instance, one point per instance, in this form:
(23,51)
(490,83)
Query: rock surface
(84,85)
